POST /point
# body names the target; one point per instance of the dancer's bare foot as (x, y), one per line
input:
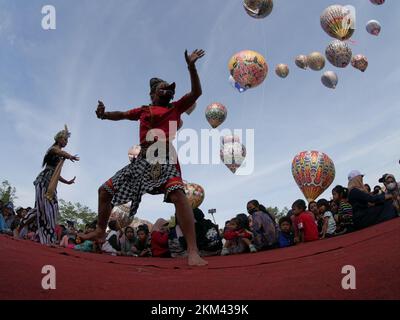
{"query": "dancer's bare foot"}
(95, 235)
(195, 260)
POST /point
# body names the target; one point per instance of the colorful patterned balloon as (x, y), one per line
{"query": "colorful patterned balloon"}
(258, 8)
(301, 61)
(195, 194)
(216, 114)
(377, 2)
(248, 68)
(374, 27)
(338, 22)
(232, 152)
(313, 172)
(330, 79)
(316, 61)
(122, 215)
(360, 62)
(282, 70)
(339, 53)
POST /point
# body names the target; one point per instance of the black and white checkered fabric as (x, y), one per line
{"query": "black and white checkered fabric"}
(133, 181)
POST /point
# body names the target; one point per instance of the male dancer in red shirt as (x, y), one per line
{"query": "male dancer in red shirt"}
(143, 175)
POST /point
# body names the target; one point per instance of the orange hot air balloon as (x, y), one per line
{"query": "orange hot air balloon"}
(313, 172)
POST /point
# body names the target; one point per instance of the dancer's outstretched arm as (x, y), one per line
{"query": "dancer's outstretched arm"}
(114, 115)
(191, 59)
(61, 179)
(63, 154)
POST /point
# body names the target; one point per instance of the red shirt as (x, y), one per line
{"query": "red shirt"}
(159, 244)
(156, 117)
(233, 234)
(306, 222)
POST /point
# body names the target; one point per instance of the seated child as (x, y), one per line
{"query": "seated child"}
(87, 245)
(128, 242)
(306, 224)
(237, 239)
(329, 227)
(142, 243)
(344, 217)
(159, 239)
(112, 245)
(208, 239)
(286, 236)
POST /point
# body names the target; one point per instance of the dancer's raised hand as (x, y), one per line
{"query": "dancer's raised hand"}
(72, 181)
(193, 57)
(100, 110)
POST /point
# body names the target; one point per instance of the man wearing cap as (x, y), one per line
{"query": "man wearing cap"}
(393, 188)
(365, 215)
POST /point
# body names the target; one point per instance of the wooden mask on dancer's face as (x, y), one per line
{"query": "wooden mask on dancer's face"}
(161, 91)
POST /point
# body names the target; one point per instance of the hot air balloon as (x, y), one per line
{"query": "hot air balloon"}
(339, 53)
(230, 139)
(232, 152)
(316, 61)
(195, 194)
(360, 62)
(282, 70)
(338, 22)
(374, 27)
(122, 215)
(216, 114)
(248, 68)
(330, 79)
(301, 61)
(133, 152)
(191, 109)
(313, 172)
(377, 2)
(236, 85)
(258, 8)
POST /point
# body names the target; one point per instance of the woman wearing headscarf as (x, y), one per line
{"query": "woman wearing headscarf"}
(45, 211)
(264, 227)
(365, 215)
(128, 242)
(156, 169)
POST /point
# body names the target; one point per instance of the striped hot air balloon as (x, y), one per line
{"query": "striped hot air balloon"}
(338, 22)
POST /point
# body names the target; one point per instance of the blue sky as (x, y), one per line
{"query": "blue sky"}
(109, 50)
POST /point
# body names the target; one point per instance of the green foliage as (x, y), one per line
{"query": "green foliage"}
(7, 192)
(76, 212)
(278, 213)
(172, 222)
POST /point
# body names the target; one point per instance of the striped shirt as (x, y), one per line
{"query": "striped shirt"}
(345, 208)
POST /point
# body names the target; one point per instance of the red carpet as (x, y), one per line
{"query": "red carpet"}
(308, 271)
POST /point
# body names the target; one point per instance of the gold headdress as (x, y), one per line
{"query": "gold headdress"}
(62, 134)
